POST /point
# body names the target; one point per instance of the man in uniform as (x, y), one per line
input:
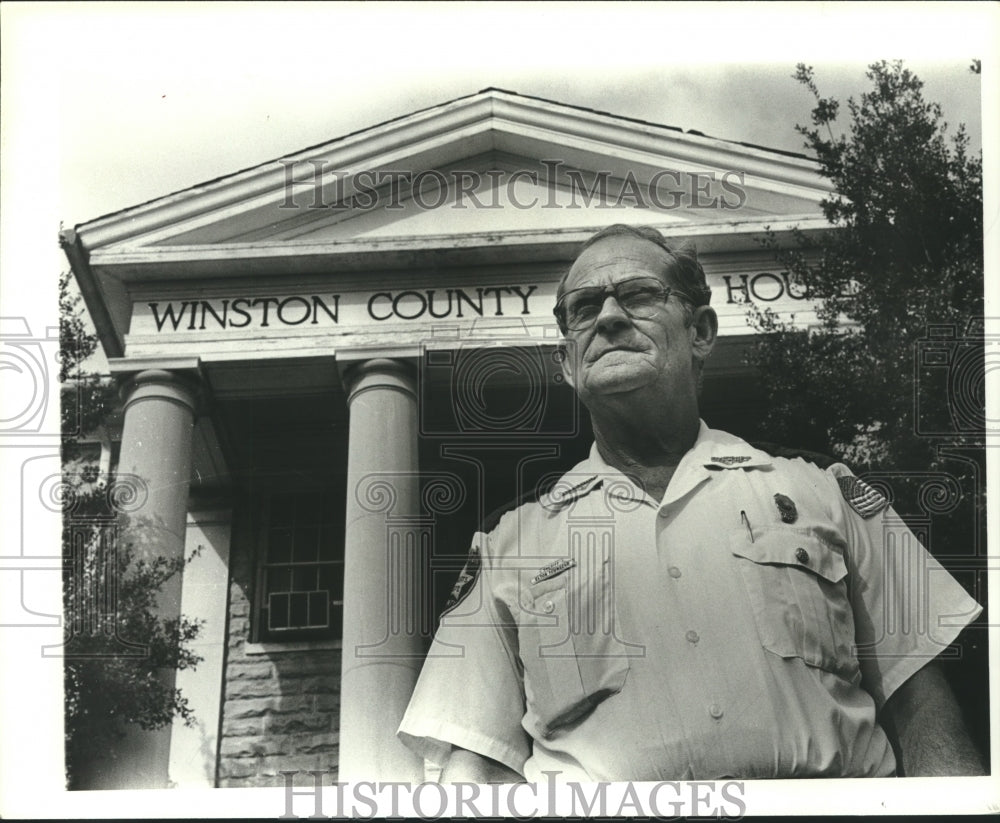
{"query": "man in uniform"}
(682, 605)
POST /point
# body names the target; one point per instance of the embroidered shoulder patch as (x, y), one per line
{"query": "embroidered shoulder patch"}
(732, 459)
(861, 497)
(466, 578)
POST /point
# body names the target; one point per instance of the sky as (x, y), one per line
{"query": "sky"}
(151, 98)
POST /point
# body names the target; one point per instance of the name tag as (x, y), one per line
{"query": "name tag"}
(551, 570)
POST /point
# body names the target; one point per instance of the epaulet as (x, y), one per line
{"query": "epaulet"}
(493, 518)
(823, 461)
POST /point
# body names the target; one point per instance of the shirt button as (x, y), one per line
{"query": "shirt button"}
(692, 637)
(664, 513)
(673, 571)
(549, 607)
(801, 555)
(715, 710)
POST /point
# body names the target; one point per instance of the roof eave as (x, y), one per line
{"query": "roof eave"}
(79, 262)
(360, 255)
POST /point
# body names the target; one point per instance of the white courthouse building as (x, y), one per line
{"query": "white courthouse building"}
(335, 364)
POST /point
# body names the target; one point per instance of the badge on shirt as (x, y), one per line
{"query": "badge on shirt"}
(786, 508)
(861, 497)
(551, 570)
(467, 577)
(732, 459)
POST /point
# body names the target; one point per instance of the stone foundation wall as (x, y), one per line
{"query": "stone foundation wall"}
(280, 708)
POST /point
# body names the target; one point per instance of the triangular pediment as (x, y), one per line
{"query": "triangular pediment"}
(491, 162)
(498, 193)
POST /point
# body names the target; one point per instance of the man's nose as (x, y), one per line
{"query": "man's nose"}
(612, 315)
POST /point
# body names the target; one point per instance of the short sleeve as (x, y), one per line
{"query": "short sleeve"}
(907, 607)
(470, 691)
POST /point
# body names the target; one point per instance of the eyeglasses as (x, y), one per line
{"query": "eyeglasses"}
(639, 297)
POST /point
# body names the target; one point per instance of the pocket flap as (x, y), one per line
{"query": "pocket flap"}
(792, 547)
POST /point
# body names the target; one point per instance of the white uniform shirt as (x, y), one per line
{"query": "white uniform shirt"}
(721, 632)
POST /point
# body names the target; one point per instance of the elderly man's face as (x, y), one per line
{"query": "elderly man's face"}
(618, 353)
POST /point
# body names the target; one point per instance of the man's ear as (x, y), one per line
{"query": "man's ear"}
(566, 354)
(705, 323)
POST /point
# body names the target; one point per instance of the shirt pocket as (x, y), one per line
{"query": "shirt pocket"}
(567, 644)
(796, 582)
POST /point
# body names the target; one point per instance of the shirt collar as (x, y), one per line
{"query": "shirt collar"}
(713, 450)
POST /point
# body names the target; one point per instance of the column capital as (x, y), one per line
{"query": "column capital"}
(380, 373)
(176, 379)
(124, 366)
(176, 387)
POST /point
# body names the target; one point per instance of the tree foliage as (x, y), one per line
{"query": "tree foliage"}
(87, 398)
(904, 253)
(890, 379)
(116, 660)
(118, 651)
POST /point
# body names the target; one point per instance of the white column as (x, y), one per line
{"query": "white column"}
(156, 459)
(156, 449)
(383, 599)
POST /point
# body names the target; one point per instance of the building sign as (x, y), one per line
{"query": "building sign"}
(414, 305)
(439, 304)
(243, 312)
(330, 309)
(403, 305)
(765, 286)
(318, 309)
